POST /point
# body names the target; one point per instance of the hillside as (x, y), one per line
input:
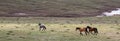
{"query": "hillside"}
(56, 8)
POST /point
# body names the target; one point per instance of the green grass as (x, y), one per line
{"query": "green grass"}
(58, 29)
(55, 32)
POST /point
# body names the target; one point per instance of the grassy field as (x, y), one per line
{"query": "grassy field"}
(58, 29)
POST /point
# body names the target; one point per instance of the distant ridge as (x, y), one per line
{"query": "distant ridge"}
(56, 8)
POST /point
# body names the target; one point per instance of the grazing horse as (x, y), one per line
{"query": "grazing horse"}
(91, 30)
(42, 27)
(82, 30)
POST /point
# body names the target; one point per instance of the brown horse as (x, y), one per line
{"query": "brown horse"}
(82, 30)
(91, 30)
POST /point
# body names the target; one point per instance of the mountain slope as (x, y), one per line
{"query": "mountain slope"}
(56, 8)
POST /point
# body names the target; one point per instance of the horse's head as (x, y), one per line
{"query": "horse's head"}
(39, 24)
(77, 28)
(88, 27)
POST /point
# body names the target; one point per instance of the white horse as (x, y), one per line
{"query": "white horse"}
(42, 27)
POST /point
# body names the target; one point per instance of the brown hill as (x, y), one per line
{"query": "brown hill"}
(56, 8)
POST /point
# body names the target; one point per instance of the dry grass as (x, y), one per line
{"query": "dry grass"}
(26, 31)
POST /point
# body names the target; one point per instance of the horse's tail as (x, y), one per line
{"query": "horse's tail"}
(96, 30)
(44, 28)
(77, 28)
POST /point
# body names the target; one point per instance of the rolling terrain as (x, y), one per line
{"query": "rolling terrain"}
(56, 8)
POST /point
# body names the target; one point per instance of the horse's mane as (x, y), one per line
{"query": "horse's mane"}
(89, 27)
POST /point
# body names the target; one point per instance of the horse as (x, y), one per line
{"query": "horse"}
(82, 30)
(92, 29)
(42, 27)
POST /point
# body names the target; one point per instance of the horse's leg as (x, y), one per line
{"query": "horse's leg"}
(86, 33)
(95, 33)
(81, 33)
(91, 32)
(44, 28)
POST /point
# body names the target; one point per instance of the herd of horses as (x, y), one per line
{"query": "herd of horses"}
(87, 30)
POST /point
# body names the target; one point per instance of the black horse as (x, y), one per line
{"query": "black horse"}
(42, 27)
(92, 30)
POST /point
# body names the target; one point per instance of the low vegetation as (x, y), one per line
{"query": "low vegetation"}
(58, 29)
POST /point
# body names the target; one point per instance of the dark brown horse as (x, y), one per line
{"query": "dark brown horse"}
(82, 30)
(92, 30)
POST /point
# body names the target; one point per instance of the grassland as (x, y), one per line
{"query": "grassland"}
(58, 29)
